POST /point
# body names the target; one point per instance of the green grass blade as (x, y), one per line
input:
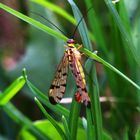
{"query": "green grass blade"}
(33, 22)
(90, 126)
(100, 60)
(94, 115)
(66, 128)
(96, 27)
(137, 135)
(54, 123)
(75, 108)
(56, 9)
(86, 42)
(126, 35)
(23, 121)
(12, 90)
(58, 109)
(73, 119)
(82, 26)
(48, 30)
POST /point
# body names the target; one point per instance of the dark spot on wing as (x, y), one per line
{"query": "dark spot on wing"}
(84, 89)
(71, 65)
(52, 101)
(78, 86)
(78, 72)
(64, 85)
(54, 86)
(64, 74)
(59, 97)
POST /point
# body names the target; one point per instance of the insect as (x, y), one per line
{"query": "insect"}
(71, 59)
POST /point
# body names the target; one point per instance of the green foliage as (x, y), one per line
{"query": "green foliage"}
(117, 42)
(137, 136)
(8, 94)
(46, 126)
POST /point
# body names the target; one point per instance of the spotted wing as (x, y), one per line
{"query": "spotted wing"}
(58, 86)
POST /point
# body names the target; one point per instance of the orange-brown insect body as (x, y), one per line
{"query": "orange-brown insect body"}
(72, 57)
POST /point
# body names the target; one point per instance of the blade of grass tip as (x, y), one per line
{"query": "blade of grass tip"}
(43, 98)
(12, 90)
(33, 22)
(82, 26)
(127, 37)
(66, 128)
(58, 109)
(23, 121)
(84, 122)
(53, 122)
(56, 9)
(24, 74)
(94, 116)
(100, 60)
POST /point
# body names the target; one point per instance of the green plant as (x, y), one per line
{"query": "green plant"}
(73, 125)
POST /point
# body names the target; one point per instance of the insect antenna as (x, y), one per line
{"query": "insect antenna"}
(73, 35)
(48, 22)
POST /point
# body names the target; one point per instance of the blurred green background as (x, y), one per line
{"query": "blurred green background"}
(23, 46)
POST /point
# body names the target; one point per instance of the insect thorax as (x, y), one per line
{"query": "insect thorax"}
(72, 50)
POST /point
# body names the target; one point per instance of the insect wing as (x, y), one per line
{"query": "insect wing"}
(58, 86)
(77, 70)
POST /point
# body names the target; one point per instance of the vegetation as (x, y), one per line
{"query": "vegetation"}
(109, 32)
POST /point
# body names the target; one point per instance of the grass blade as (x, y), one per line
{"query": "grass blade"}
(58, 109)
(100, 60)
(73, 119)
(94, 115)
(82, 26)
(33, 22)
(126, 35)
(86, 42)
(54, 123)
(56, 9)
(96, 27)
(66, 128)
(44, 99)
(23, 121)
(12, 90)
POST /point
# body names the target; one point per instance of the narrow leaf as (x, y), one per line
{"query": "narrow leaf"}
(12, 90)
(33, 22)
(23, 121)
(94, 56)
(58, 109)
(126, 35)
(56, 9)
(54, 123)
